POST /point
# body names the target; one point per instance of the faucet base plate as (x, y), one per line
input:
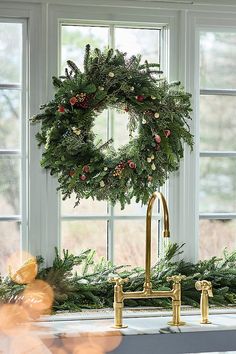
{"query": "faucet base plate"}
(117, 327)
(181, 323)
(206, 322)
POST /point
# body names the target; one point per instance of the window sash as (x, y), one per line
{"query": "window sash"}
(110, 217)
(22, 153)
(222, 154)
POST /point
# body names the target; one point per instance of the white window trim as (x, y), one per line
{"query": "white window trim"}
(60, 14)
(182, 22)
(189, 173)
(34, 199)
(21, 152)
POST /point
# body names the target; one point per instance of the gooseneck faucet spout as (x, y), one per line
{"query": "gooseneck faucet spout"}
(165, 233)
(148, 292)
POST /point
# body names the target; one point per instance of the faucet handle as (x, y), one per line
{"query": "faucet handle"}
(176, 278)
(204, 285)
(118, 280)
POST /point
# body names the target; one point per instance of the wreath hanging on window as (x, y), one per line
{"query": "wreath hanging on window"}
(158, 114)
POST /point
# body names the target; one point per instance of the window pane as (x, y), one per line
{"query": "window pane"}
(129, 242)
(85, 207)
(131, 209)
(218, 60)
(215, 235)
(138, 41)
(134, 209)
(9, 186)
(10, 106)
(217, 184)
(9, 242)
(74, 39)
(10, 52)
(121, 131)
(81, 235)
(100, 128)
(217, 123)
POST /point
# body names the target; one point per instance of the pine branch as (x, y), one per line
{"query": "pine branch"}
(89, 287)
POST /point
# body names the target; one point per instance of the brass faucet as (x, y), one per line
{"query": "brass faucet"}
(206, 288)
(147, 292)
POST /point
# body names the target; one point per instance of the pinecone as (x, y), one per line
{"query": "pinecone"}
(83, 100)
(118, 169)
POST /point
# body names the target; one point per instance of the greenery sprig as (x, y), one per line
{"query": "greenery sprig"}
(89, 287)
(158, 114)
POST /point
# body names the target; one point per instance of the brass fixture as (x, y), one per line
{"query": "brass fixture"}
(147, 292)
(206, 288)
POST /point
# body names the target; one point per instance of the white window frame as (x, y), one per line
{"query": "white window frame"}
(221, 20)
(120, 17)
(182, 22)
(110, 216)
(21, 152)
(34, 182)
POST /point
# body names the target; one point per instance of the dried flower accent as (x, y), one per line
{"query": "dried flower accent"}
(102, 184)
(71, 173)
(75, 130)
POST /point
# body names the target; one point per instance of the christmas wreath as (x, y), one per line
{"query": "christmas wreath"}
(158, 114)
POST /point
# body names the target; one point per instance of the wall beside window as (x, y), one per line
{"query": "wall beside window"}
(180, 36)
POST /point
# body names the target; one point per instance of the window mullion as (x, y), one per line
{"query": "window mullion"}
(219, 92)
(13, 86)
(110, 134)
(12, 153)
(217, 153)
(24, 141)
(218, 216)
(10, 218)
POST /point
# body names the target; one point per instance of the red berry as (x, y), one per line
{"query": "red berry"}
(83, 177)
(157, 138)
(61, 109)
(167, 132)
(132, 165)
(140, 98)
(126, 109)
(86, 169)
(73, 101)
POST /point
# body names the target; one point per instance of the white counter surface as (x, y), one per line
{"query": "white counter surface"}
(147, 322)
(148, 332)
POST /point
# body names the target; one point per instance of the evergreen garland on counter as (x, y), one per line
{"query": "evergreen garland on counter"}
(89, 288)
(158, 114)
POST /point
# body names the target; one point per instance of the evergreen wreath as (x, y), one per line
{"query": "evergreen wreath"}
(158, 114)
